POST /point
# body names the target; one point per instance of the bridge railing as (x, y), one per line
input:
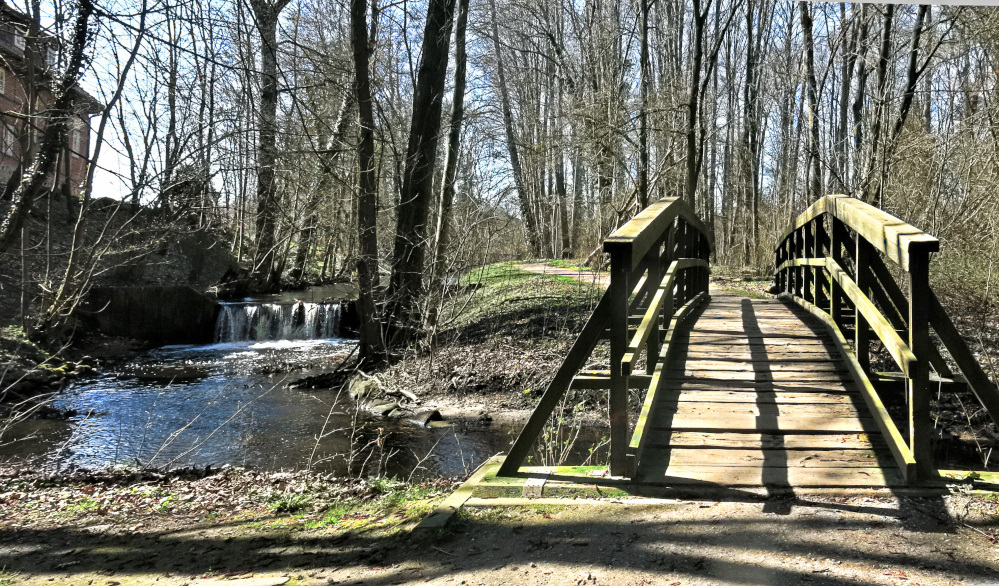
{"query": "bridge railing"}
(659, 273)
(830, 262)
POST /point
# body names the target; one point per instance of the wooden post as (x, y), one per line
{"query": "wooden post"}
(918, 377)
(862, 334)
(799, 288)
(808, 248)
(655, 276)
(778, 274)
(620, 289)
(836, 240)
(822, 281)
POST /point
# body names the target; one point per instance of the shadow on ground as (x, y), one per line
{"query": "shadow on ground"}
(856, 540)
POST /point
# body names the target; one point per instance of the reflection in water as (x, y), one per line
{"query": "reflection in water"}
(233, 410)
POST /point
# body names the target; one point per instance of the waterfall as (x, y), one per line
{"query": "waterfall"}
(271, 321)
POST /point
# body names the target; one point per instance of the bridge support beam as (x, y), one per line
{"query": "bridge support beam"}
(618, 401)
(920, 429)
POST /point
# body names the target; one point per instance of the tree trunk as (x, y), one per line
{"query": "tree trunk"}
(815, 169)
(418, 182)
(692, 158)
(371, 346)
(330, 153)
(442, 234)
(530, 222)
(882, 101)
(266, 14)
(643, 114)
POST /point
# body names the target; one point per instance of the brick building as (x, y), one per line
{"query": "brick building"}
(23, 79)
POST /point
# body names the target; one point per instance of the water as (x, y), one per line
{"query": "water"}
(229, 403)
(249, 321)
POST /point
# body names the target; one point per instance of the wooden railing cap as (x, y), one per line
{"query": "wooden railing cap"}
(888, 234)
(638, 235)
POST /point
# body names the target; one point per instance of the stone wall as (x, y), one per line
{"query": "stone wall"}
(159, 314)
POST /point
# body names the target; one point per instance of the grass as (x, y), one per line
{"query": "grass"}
(82, 506)
(8, 578)
(567, 264)
(501, 299)
(290, 502)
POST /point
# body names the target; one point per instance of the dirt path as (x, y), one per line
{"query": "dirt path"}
(835, 541)
(597, 279)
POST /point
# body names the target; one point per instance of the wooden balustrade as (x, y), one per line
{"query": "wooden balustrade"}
(830, 261)
(659, 273)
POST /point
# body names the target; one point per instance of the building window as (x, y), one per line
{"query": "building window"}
(19, 39)
(51, 58)
(75, 141)
(3, 81)
(9, 139)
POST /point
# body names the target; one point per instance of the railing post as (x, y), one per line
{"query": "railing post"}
(836, 240)
(669, 256)
(655, 276)
(799, 272)
(679, 241)
(705, 255)
(821, 278)
(620, 289)
(779, 274)
(862, 334)
(809, 246)
(792, 273)
(917, 381)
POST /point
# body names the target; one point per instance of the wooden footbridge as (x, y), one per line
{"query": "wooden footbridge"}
(737, 392)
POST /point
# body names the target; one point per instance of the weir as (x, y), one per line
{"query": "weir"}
(251, 321)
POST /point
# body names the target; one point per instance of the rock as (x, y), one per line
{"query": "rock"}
(424, 417)
(362, 388)
(381, 407)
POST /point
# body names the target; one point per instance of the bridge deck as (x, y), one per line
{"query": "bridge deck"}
(757, 394)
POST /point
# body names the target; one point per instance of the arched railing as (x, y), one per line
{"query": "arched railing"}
(830, 262)
(659, 273)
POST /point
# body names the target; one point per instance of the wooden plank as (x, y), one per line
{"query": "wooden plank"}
(722, 409)
(694, 440)
(763, 366)
(716, 340)
(796, 477)
(770, 458)
(752, 423)
(775, 355)
(757, 387)
(727, 396)
(779, 376)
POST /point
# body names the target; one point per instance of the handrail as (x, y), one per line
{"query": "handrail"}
(886, 233)
(666, 234)
(811, 271)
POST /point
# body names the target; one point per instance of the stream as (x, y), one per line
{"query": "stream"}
(228, 403)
